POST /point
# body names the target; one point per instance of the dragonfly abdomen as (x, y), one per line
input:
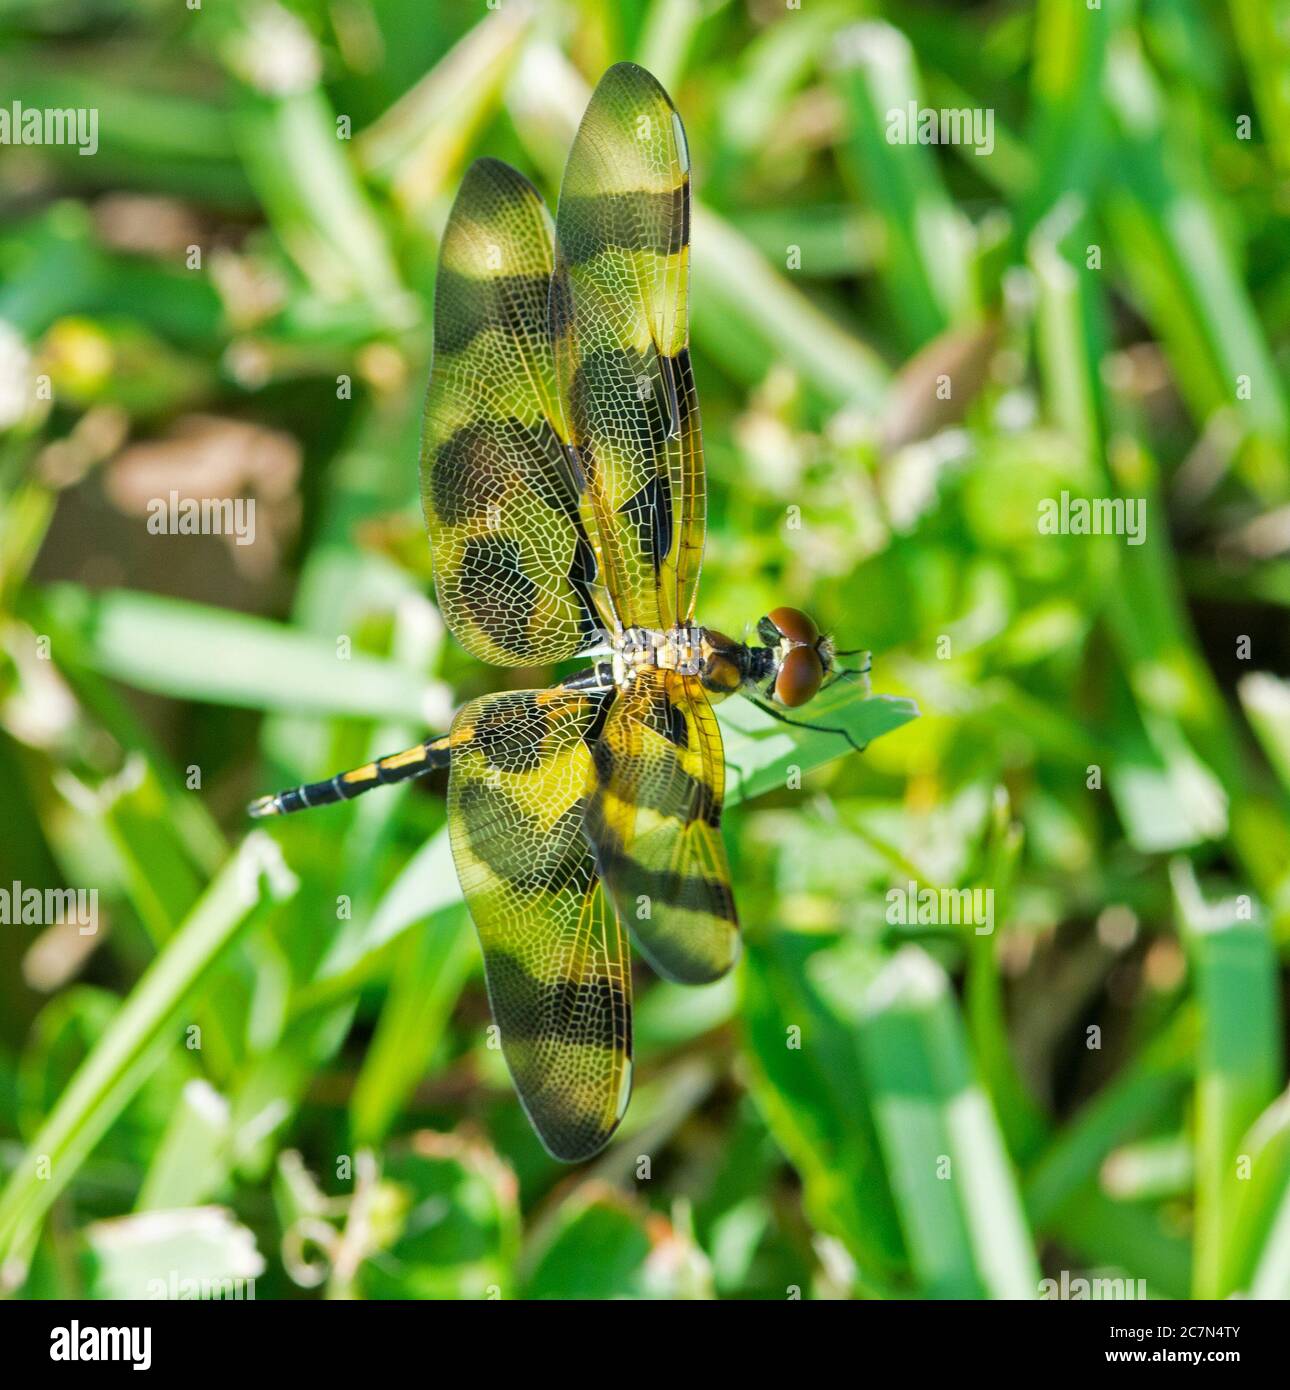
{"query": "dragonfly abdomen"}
(344, 786)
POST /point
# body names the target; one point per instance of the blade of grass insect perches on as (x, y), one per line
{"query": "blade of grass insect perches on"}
(190, 651)
(1238, 1070)
(761, 750)
(946, 1161)
(925, 271)
(124, 1057)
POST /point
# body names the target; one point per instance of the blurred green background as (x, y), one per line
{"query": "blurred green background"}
(270, 1061)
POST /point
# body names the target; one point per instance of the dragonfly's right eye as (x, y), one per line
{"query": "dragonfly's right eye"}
(801, 674)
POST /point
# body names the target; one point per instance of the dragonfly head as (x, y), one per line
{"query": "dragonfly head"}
(797, 658)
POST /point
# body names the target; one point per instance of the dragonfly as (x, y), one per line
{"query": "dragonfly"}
(563, 489)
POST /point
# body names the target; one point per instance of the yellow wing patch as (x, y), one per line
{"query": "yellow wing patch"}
(620, 325)
(514, 568)
(556, 962)
(655, 819)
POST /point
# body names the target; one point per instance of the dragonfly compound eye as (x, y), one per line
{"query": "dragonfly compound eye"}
(800, 675)
(795, 625)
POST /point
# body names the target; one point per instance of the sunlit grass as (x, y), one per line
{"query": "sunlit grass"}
(902, 352)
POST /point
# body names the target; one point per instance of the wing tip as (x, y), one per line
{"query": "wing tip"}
(688, 969)
(578, 1143)
(626, 72)
(489, 169)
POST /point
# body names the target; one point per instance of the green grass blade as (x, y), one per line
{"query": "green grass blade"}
(763, 753)
(192, 1161)
(1263, 32)
(1239, 1068)
(1185, 276)
(958, 1201)
(808, 1083)
(136, 1038)
(1265, 698)
(194, 652)
(428, 976)
(926, 267)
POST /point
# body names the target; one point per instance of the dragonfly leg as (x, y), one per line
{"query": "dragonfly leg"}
(802, 724)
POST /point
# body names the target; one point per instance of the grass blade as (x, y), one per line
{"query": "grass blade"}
(134, 1042)
(957, 1199)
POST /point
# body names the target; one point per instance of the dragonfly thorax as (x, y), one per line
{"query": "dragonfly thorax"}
(679, 648)
(788, 667)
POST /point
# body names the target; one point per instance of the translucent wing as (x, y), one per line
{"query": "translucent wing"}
(513, 566)
(655, 819)
(620, 325)
(557, 965)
